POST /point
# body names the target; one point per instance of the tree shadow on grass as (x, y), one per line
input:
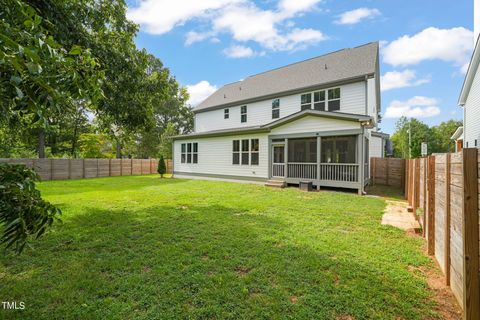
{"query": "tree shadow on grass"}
(198, 262)
(105, 184)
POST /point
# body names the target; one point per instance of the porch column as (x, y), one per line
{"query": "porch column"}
(286, 159)
(360, 157)
(319, 152)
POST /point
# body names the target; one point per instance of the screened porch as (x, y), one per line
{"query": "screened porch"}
(327, 161)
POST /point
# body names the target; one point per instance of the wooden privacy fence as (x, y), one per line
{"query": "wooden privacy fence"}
(62, 169)
(443, 192)
(387, 171)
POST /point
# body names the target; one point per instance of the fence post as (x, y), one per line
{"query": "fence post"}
(373, 160)
(407, 177)
(431, 206)
(471, 295)
(447, 219)
(387, 168)
(416, 186)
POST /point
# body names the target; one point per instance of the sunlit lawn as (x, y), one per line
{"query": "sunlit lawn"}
(146, 248)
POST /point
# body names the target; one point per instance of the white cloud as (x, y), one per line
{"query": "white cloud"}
(236, 51)
(451, 45)
(357, 15)
(416, 107)
(242, 19)
(161, 16)
(200, 91)
(401, 79)
(291, 7)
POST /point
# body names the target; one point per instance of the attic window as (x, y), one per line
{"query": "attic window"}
(226, 113)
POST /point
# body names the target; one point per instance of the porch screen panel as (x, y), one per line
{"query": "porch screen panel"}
(302, 150)
(339, 149)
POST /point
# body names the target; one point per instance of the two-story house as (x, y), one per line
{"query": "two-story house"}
(315, 120)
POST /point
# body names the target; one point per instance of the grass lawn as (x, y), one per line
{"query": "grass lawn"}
(145, 248)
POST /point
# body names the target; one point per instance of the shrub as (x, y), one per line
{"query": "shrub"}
(162, 169)
(23, 213)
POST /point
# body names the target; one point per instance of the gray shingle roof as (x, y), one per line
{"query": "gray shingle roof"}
(330, 68)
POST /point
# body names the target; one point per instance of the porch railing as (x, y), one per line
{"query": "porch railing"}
(278, 169)
(302, 170)
(347, 172)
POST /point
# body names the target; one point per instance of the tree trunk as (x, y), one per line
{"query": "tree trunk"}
(119, 150)
(41, 143)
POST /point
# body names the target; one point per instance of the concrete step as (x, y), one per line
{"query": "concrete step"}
(276, 183)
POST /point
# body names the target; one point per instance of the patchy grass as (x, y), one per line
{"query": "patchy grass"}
(143, 248)
(388, 192)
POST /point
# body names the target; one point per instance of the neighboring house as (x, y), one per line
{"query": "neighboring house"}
(470, 94)
(457, 137)
(315, 120)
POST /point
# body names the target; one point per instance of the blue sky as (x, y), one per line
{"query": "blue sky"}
(425, 45)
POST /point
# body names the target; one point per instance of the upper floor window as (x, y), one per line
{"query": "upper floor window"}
(334, 99)
(276, 109)
(189, 153)
(306, 101)
(226, 113)
(243, 114)
(319, 100)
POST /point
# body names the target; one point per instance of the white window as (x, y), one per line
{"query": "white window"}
(306, 101)
(236, 152)
(243, 113)
(189, 153)
(245, 152)
(319, 100)
(254, 151)
(334, 99)
(276, 109)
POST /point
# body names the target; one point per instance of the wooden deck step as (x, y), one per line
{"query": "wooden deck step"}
(276, 183)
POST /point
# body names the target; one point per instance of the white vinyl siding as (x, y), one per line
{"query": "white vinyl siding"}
(471, 129)
(315, 124)
(260, 113)
(215, 157)
(376, 147)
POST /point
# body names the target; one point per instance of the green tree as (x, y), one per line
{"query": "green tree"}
(94, 145)
(442, 134)
(40, 77)
(166, 140)
(161, 169)
(420, 132)
(23, 213)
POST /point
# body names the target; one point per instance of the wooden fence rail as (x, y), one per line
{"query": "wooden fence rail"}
(442, 191)
(387, 171)
(63, 169)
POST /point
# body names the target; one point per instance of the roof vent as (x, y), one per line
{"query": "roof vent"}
(326, 66)
(240, 88)
(224, 96)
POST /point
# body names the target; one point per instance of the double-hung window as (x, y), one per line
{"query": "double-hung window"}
(184, 153)
(189, 153)
(226, 113)
(276, 109)
(334, 99)
(254, 151)
(236, 152)
(306, 101)
(243, 114)
(245, 152)
(319, 100)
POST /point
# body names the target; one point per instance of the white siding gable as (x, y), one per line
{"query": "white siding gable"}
(353, 99)
(472, 113)
(315, 124)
